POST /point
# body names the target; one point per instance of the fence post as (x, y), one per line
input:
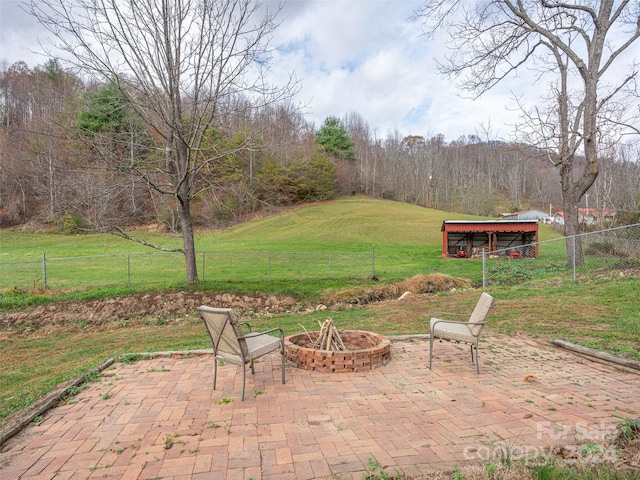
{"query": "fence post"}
(203, 265)
(573, 249)
(484, 269)
(373, 261)
(44, 271)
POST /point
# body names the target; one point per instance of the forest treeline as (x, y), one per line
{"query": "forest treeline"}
(71, 154)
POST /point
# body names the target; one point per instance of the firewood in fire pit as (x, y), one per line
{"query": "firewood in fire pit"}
(329, 337)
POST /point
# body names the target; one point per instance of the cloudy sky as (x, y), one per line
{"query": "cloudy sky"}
(363, 56)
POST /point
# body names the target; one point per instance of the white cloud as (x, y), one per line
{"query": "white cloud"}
(361, 56)
(367, 57)
(19, 34)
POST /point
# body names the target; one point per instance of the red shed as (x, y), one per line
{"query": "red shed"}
(468, 238)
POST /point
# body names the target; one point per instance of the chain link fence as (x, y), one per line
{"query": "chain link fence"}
(169, 268)
(611, 252)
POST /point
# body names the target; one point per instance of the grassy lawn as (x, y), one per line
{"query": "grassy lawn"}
(602, 312)
(405, 240)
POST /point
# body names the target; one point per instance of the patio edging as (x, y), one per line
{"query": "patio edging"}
(629, 365)
(15, 425)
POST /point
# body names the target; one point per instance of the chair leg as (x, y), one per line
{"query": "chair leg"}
(282, 355)
(215, 371)
(477, 358)
(244, 379)
(430, 349)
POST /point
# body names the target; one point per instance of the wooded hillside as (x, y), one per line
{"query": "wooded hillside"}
(72, 152)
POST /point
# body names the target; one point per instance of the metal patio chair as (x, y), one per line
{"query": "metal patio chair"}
(232, 346)
(461, 331)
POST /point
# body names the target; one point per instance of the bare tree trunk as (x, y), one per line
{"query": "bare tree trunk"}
(188, 241)
(571, 225)
(51, 183)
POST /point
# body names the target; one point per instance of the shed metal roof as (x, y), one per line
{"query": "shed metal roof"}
(489, 225)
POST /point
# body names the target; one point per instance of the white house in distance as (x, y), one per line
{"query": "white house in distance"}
(536, 215)
(588, 216)
(558, 218)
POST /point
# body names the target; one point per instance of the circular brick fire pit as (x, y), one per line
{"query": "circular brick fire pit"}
(365, 351)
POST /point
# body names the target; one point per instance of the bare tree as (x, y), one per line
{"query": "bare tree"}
(180, 64)
(577, 47)
(15, 95)
(627, 183)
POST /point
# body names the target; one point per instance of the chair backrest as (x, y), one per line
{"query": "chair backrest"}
(481, 312)
(224, 331)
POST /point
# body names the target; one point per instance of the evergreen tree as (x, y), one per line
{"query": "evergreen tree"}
(335, 140)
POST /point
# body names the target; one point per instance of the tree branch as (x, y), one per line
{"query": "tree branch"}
(121, 233)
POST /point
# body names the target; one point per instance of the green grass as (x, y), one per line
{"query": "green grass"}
(535, 469)
(349, 224)
(601, 313)
(405, 240)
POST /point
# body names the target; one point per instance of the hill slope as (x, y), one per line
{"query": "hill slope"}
(347, 223)
(400, 239)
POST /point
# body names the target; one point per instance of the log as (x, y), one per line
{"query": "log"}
(340, 343)
(607, 357)
(329, 337)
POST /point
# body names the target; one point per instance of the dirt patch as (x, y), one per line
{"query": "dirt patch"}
(418, 284)
(171, 304)
(621, 452)
(627, 440)
(142, 305)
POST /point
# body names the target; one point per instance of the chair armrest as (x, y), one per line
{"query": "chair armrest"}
(453, 322)
(451, 314)
(244, 324)
(458, 323)
(266, 332)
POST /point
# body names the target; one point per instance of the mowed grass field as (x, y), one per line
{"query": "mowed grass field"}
(403, 239)
(601, 313)
(389, 239)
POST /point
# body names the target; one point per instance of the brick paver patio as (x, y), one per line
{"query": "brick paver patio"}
(160, 418)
